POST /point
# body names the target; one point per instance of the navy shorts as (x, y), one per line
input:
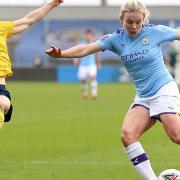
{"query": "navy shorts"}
(6, 93)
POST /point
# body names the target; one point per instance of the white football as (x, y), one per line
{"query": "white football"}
(169, 174)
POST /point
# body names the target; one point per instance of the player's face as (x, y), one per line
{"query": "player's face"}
(132, 22)
(89, 37)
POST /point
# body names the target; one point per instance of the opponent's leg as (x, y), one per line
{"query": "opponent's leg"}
(1, 117)
(4, 108)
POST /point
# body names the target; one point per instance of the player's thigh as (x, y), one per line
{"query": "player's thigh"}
(171, 124)
(137, 121)
(5, 103)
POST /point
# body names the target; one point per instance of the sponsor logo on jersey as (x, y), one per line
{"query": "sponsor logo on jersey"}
(134, 56)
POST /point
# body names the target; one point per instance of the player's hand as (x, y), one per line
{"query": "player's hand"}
(56, 2)
(54, 52)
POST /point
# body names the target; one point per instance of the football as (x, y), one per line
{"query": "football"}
(169, 174)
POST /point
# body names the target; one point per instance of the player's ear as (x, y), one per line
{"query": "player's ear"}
(121, 18)
(143, 18)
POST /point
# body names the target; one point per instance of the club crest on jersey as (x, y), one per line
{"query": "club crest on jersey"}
(145, 40)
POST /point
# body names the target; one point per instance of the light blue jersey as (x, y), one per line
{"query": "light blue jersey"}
(142, 56)
(88, 60)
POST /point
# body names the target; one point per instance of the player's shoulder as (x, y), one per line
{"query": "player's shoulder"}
(149, 26)
(154, 27)
(4, 24)
(1, 24)
(112, 36)
(117, 33)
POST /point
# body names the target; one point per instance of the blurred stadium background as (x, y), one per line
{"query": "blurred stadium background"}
(65, 26)
(54, 135)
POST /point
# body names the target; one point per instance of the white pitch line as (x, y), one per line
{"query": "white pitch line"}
(94, 163)
(86, 163)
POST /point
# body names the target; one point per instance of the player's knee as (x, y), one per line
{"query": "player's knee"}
(176, 138)
(94, 83)
(128, 137)
(5, 103)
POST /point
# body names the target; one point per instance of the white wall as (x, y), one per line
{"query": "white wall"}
(148, 2)
(11, 13)
(91, 2)
(39, 2)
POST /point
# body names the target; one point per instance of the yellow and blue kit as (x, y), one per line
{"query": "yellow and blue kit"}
(6, 31)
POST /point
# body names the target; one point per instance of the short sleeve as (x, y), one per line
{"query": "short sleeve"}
(165, 33)
(105, 42)
(6, 28)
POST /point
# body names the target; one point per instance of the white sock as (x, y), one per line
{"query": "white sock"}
(94, 86)
(140, 160)
(84, 89)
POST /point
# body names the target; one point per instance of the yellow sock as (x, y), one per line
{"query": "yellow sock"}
(1, 117)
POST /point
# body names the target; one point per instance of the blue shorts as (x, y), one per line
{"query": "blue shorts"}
(6, 93)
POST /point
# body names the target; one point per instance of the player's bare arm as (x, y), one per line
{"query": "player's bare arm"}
(33, 17)
(98, 60)
(74, 52)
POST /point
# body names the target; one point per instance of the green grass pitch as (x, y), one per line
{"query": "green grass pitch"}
(55, 135)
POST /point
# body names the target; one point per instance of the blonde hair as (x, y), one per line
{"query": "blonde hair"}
(135, 6)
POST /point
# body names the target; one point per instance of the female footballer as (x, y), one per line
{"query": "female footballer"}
(7, 30)
(157, 95)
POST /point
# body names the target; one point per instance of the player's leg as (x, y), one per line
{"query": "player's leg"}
(94, 87)
(167, 107)
(171, 124)
(136, 122)
(84, 88)
(82, 75)
(93, 82)
(4, 108)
